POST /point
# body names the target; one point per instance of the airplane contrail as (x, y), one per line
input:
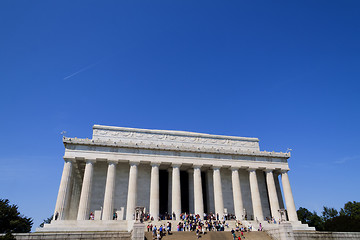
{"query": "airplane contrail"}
(81, 70)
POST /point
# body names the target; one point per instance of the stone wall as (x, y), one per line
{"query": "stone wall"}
(143, 186)
(263, 193)
(98, 186)
(121, 186)
(299, 235)
(227, 192)
(68, 236)
(307, 235)
(245, 192)
(210, 191)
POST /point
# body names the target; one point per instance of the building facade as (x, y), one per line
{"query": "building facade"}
(170, 172)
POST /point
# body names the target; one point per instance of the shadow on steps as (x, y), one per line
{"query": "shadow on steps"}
(211, 236)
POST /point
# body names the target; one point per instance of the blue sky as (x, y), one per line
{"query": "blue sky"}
(286, 72)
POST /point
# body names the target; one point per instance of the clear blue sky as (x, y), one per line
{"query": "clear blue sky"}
(286, 72)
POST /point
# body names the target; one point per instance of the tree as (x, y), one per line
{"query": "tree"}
(345, 220)
(351, 209)
(329, 213)
(11, 221)
(342, 223)
(310, 218)
(304, 215)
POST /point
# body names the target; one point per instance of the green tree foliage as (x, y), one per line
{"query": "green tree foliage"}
(345, 220)
(11, 221)
(351, 209)
(342, 223)
(348, 220)
(329, 213)
(310, 218)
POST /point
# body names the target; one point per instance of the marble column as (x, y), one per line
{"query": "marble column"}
(273, 198)
(255, 195)
(238, 202)
(176, 191)
(64, 191)
(218, 196)
(198, 194)
(289, 200)
(132, 191)
(108, 208)
(154, 191)
(85, 196)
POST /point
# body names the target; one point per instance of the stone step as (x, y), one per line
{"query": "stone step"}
(211, 236)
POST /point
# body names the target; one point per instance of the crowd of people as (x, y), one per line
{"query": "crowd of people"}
(159, 232)
(167, 216)
(193, 222)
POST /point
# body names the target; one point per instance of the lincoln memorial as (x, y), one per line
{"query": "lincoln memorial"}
(168, 173)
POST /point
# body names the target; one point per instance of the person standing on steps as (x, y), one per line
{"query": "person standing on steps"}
(233, 233)
(168, 228)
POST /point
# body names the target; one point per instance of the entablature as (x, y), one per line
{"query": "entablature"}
(91, 144)
(167, 162)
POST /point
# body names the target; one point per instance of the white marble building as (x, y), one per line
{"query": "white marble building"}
(167, 172)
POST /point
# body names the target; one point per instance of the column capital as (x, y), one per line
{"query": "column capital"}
(176, 165)
(234, 168)
(155, 164)
(134, 163)
(90, 160)
(69, 159)
(112, 161)
(196, 166)
(284, 170)
(267, 170)
(251, 169)
(216, 167)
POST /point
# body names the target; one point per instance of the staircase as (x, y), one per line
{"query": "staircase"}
(211, 236)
